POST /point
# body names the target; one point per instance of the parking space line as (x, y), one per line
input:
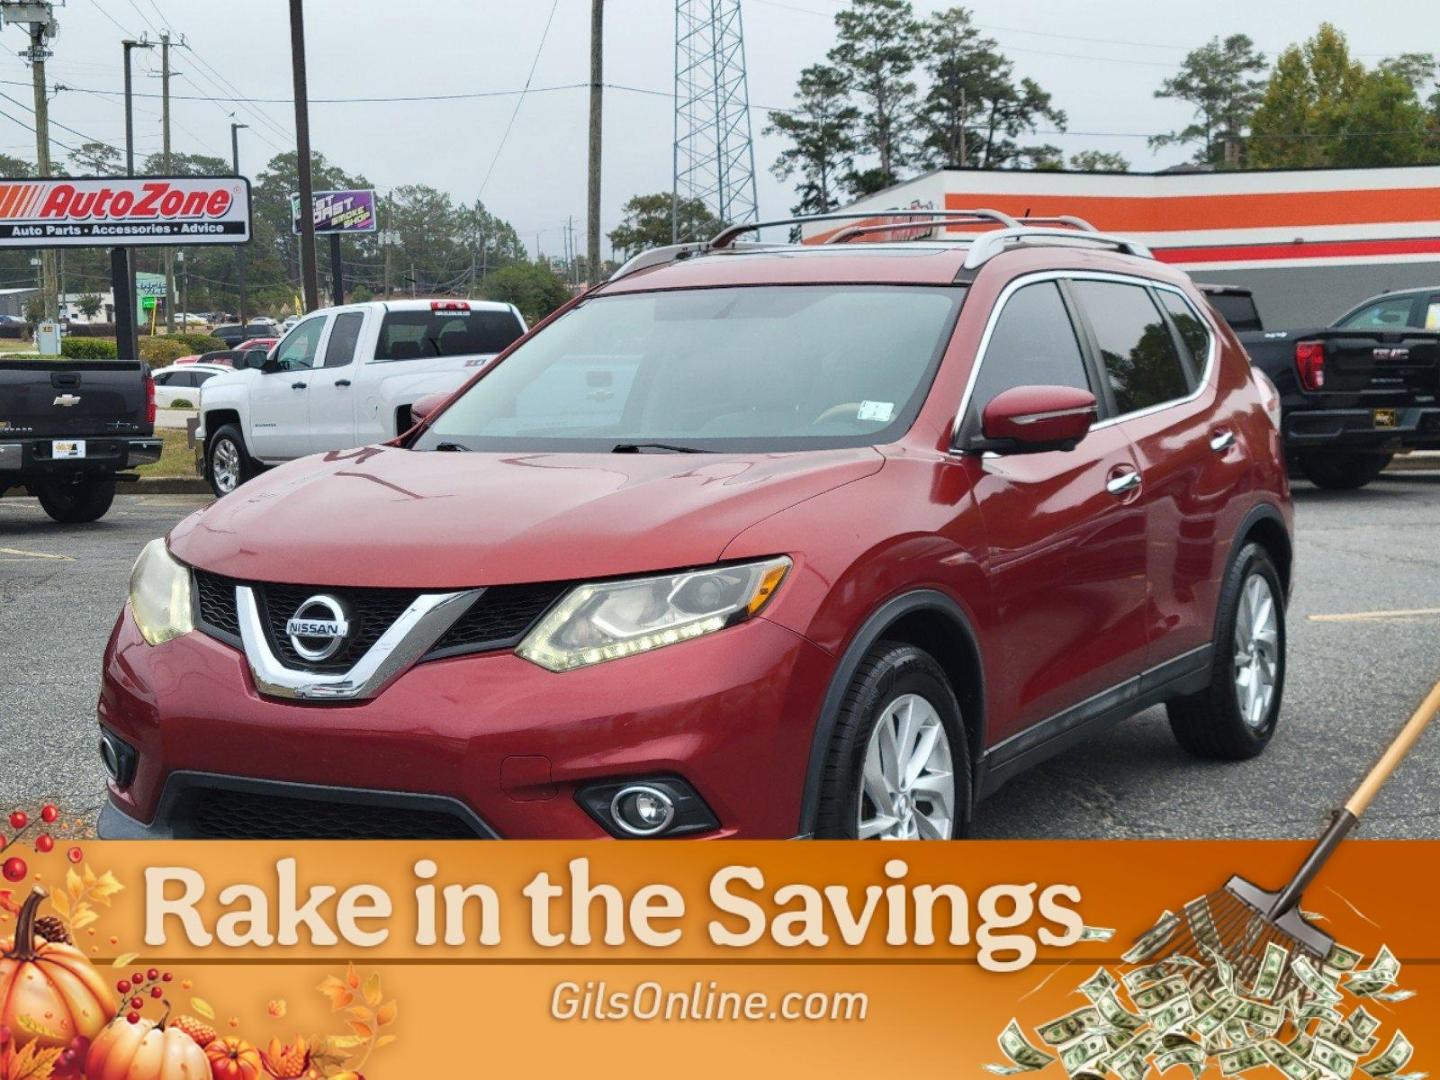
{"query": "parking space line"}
(17, 555)
(1377, 616)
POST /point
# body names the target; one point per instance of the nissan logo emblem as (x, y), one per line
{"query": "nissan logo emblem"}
(318, 629)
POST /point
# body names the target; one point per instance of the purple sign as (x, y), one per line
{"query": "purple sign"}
(338, 212)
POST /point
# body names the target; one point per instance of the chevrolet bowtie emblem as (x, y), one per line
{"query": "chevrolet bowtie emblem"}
(66, 400)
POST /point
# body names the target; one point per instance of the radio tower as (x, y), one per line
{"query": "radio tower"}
(714, 153)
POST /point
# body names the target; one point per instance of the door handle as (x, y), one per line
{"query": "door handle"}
(1221, 441)
(342, 382)
(298, 385)
(1123, 482)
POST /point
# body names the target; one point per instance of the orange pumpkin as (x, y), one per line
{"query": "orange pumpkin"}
(234, 1059)
(49, 984)
(145, 1051)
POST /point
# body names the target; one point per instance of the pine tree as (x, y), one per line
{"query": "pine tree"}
(821, 130)
(1220, 79)
(875, 51)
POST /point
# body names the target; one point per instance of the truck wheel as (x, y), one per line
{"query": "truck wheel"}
(1234, 717)
(76, 504)
(227, 465)
(1343, 472)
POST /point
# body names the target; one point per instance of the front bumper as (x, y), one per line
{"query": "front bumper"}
(489, 738)
(23, 460)
(1417, 427)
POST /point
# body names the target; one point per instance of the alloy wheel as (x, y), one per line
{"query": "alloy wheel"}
(1257, 650)
(225, 466)
(907, 784)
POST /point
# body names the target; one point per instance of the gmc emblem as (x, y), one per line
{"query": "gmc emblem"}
(1390, 353)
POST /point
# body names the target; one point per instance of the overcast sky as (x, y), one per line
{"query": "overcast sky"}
(1100, 59)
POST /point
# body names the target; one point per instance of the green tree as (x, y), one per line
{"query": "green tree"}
(13, 168)
(1221, 81)
(875, 52)
(821, 131)
(96, 159)
(648, 222)
(1098, 161)
(89, 305)
(535, 289)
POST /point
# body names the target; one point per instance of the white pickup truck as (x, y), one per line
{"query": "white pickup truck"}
(343, 377)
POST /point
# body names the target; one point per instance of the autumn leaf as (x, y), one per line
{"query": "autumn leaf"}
(82, 918)
(35, 1027)
(106, 887)
(352, 977)
(365, 1031)
(339, 994)
(88, 876)
(33, 1063)
(344, 1042)
(124, 959)
(360, 1012)
(203, 1007)
(59, 901)
(73, 885)
(384, 1040)
(372, 990)
(386, 1013)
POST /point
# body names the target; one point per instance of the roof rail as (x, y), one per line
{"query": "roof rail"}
(1059, 219)
(988, 245)
(656, 256)
(848, 234)
(727, 236)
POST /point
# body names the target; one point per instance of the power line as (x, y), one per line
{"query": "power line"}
(521, 99)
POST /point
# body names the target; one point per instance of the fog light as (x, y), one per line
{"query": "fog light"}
(118, 757)
(642, 810)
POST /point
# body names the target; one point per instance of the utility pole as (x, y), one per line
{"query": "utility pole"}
(597, 88)
(308, 281)
(122, 259)
(40, 32)
(240, 256)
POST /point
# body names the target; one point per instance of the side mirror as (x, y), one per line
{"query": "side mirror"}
(1033, 419)
(427, 405)
(255, 358)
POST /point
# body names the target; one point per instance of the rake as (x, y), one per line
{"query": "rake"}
(1239, 921)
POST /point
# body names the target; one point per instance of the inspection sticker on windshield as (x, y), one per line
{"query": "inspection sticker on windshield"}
(876, 410)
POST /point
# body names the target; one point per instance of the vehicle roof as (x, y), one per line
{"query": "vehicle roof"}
(908, 263)
(198, 365)
(421, 304)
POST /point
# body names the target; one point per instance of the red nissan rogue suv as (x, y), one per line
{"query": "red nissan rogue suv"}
(826, 539)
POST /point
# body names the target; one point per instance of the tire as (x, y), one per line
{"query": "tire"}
(235, 465)
(1213, 724)
(1343, 472)
(76, 504)
(892, 676)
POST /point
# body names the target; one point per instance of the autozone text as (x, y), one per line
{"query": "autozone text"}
(156, 199)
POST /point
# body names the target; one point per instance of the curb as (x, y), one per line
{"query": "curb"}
(1423, 461)
(148, 485)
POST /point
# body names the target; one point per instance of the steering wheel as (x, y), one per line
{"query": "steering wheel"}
(848, 411)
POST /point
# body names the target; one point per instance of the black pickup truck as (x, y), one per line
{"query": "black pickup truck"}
(70, 428)
(1352, 395)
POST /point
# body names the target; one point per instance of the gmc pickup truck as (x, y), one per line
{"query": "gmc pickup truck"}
(69, 429)
(1352, 395)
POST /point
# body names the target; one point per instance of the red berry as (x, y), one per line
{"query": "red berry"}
(123, 986)
(152, 974)
(44, 843)
(19, 819)
(166, 977)
(133, 1017)
(137, 1003)
(15, 869)
(74, 854)
(157, 992)
(138, 978)
(49, 813)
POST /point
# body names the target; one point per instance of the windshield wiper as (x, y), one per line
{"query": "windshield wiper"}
(452, 447)
(641, 447)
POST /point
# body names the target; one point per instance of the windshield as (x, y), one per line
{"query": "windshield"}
(453, 331)
(750, 368)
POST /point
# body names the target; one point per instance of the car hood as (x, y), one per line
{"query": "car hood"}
(387, 517)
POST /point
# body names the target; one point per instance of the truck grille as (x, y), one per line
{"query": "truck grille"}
(498, 620)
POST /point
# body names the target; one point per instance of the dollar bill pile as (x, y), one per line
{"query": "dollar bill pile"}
(1198, 1012)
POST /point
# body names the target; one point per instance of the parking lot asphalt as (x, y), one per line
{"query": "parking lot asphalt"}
(1364, 649)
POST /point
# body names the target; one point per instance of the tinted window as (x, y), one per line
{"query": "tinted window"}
(756, 367)
(1033, 344)
(1136, 348)
(409, 335)
(163, 379)
(1385, 314)
(340, 349)
(1193, 331)
(298, 348)
(204, 376)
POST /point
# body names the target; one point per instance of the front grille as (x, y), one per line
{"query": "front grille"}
(210, 813)
(498, 620)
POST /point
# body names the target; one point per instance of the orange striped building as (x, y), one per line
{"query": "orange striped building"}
(1311, 243)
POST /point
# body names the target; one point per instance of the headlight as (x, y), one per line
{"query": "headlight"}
(160, 595)
(608, 620)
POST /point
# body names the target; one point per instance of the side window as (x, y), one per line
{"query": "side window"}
(299, 347)
(164, 378)
(1389, 314)
(1033, 344)
(1193, 331)
(1432, 313)
(202, 377)
(1136, 347)
(340, 349)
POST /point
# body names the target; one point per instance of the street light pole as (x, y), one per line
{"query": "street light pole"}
(240, 249)
(122, 259)
(302, 157)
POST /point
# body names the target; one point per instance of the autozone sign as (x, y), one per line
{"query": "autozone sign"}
(121, 211)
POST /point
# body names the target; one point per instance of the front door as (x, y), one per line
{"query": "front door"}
(1064, 531)
(280, 397)
(333, 390)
